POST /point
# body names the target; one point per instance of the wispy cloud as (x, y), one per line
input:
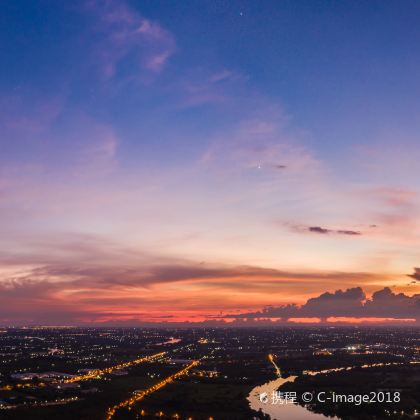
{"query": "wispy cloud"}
(325, 231)
(126, 34)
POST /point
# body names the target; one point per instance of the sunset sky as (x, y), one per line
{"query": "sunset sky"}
(192, 160)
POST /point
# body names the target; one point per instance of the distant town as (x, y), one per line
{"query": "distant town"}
(132, 373)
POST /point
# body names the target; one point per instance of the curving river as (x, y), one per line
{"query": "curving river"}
(294, 411)
(289, 411)
(279, 411)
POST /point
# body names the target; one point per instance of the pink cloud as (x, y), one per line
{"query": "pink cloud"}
(127, 33)
(395, 197)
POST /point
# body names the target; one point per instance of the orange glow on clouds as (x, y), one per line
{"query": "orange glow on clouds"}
(305, 320)
(373, 320)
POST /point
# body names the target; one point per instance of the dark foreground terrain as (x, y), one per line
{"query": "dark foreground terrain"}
(98, 374)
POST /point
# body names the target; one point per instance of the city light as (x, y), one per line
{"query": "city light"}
(141, 395)
(98, 372)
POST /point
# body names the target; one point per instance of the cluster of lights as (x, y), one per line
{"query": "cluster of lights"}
(142, 394)
(59, 401)
(89, 375)
(22, 385)
(175, 416)
(99, 372)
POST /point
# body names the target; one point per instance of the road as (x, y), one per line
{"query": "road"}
(142, 394)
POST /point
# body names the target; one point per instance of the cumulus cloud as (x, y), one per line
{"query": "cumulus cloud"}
(348, 303)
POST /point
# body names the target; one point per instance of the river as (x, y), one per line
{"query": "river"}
(288, 411)
(292, 411)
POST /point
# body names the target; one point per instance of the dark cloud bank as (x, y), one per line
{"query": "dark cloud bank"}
(348, 303)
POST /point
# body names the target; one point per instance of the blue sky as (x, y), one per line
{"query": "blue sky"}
(346, 72)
